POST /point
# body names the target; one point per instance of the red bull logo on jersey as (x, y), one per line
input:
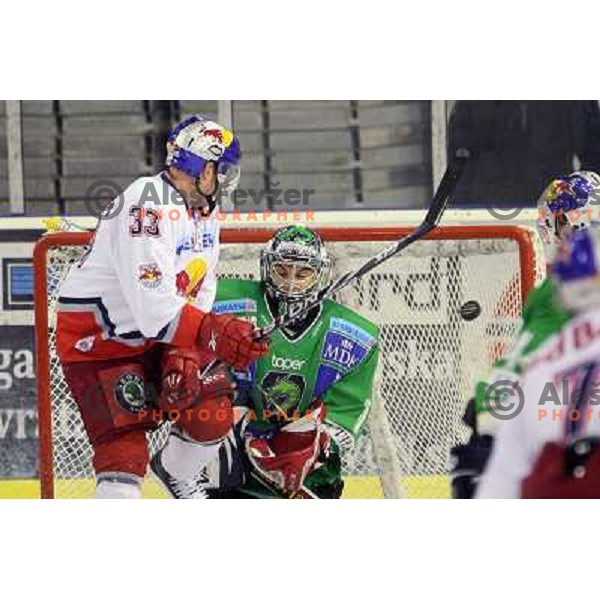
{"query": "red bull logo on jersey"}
(190, 279)
(149, 275)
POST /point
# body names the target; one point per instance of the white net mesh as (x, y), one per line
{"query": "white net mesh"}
(430, 357)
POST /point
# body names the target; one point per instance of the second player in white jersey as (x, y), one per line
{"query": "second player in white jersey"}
(550, 449)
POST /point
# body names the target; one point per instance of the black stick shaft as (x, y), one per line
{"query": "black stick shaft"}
(432, 218)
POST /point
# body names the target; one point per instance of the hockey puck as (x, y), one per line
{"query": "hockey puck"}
(470, 310)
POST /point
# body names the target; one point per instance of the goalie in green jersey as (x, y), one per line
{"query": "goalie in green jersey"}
(564, 207)
(304, 405)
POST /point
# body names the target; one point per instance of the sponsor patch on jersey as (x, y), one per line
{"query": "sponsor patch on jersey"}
(190, 279)
(241, 305)
(282, 391)
(326, 377)
(130, 392)
(208, 241)
(85, 344)
(187, 245)
(352, 331)
(149, 275)
(342, 351)
(286, 363)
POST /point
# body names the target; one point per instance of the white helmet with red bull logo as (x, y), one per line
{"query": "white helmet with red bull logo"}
(197, 141)
(564, 205)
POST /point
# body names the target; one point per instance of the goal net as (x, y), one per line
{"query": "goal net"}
(431, 355)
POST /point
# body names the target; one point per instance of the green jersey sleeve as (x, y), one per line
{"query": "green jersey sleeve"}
(349, 400)
(350, 346)
(542, 317)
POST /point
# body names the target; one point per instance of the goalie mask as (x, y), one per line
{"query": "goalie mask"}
(197, 141)
(294, 266)
(564, 203)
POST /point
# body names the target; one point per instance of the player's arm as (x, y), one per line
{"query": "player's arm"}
(144, 258)
(542, 317)
(208, 291)
(469, 460)
(348, 401)
(508, 464)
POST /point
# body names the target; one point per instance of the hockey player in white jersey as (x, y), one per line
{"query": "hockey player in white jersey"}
(551, 448)
(135, 313)
(565, 206)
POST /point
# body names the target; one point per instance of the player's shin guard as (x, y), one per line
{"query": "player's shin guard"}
(184, 458)
(118, 486)
(179, 466)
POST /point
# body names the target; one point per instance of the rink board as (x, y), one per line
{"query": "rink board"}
(417, 487)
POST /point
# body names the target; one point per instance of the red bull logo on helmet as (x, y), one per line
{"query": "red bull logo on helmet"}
(219, 134)
(560, 186)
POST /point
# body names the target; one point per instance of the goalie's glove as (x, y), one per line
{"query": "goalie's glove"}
(231, 340)
(285, 460)
(468, 461)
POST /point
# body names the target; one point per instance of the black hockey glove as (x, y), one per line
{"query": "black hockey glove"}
(468, 461)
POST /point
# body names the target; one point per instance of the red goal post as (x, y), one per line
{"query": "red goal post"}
(530, 269)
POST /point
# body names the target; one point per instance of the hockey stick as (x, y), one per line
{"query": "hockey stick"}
(432, 218)
(302, 494)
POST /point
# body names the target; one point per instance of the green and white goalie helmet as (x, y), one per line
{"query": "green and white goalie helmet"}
(294, 264)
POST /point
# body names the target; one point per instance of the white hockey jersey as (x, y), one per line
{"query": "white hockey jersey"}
(561, 393)
(149, 277)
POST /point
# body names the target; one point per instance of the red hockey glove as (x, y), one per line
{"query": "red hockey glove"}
(231, 340)
(287, 459)
(181, 384)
